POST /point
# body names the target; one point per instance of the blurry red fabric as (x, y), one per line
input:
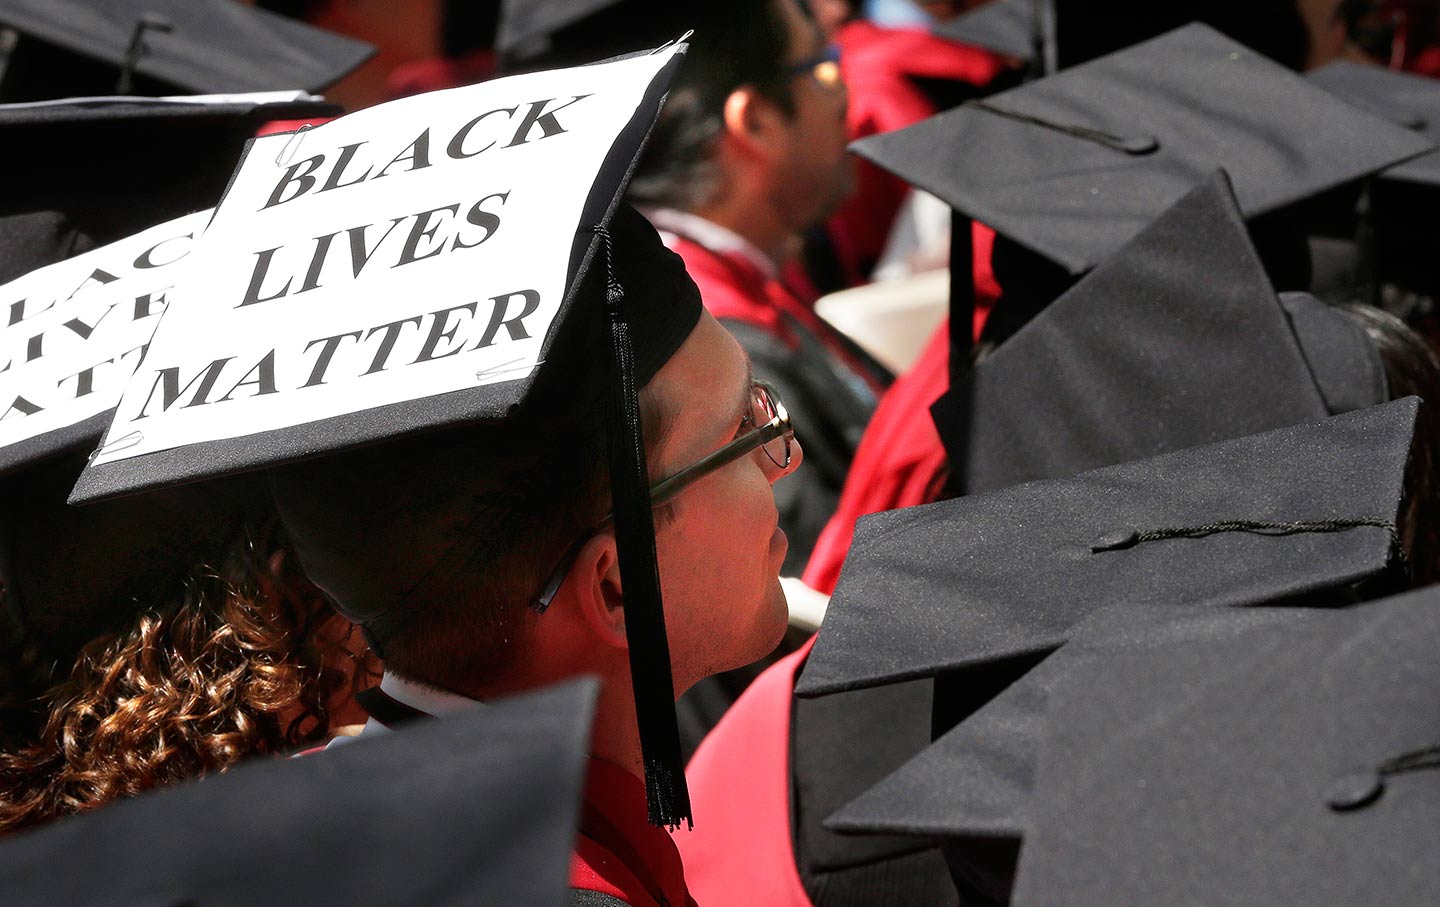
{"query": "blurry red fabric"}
(879, 66)
(277, 126)
(741, 850)
(900, 461)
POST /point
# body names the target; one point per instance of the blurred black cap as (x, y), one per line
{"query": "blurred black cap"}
(76, 48)
(1082, 30)
(478, 808)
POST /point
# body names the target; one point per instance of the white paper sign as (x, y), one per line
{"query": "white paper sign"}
(415, 248)
(74, 332)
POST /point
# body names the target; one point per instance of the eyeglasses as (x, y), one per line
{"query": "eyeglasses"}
(824, 67)
(770, 430)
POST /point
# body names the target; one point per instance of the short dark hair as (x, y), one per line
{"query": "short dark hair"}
(745, 42)
(530, 493)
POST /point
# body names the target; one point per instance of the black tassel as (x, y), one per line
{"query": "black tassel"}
(666, 794)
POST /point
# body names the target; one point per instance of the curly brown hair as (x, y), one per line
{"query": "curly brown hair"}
(243, 659)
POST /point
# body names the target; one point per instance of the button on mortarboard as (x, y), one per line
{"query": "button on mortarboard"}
(73, 48)
(1207, 100)
(476, 808)
(1211, 772)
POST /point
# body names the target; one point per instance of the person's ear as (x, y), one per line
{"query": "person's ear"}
(754, 124)
(593, 588)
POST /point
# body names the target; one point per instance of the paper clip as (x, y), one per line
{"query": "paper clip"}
(502, 368)
(282, 159)
(125, 442)
(680, 40)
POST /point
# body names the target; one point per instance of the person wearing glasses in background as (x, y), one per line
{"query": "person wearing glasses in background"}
(749, 155)
(481, 560)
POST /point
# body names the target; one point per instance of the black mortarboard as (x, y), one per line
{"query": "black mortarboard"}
(85, 174)
(1404, 99)
(1175, 341)
(1082, 31)
(1294, 764)
(1400, 231)
(1008, 27)
(510, 246)
(1074, 165)
(547, 33)
(1002, 577)
(477, 808)
(74, 48)
(977, 780)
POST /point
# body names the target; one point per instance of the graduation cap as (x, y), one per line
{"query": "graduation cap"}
(451, 260)
(557, 32)
(1293, 764)
(1399, 217)
(1409, 101)
(976, 781)
(1177, 340)
(1067, 33)
(75, 48)
(479, 807)
(999, 579)
(1074, 165)
(1014, 28)
(98, 171)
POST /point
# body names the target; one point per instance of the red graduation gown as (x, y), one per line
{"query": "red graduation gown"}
(879, 66)
(741, 850)
(618, 852)
(900, 461)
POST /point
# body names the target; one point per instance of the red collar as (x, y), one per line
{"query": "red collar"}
(619, 852)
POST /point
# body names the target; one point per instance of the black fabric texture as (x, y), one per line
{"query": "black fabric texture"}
(1088, 29)
(1409, 101)
(579, 897)
(1201, 99)
(72, 574)
(210, 47)
(975, 783)
(479, 808)
(841, 745)
(993, 576)
(1177, 340)
(1347, 367)
(1204, 772)
(829, 414)
(1004, 26)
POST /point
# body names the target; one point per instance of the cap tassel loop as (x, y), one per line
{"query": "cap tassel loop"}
(666, 794)
(1120, 539)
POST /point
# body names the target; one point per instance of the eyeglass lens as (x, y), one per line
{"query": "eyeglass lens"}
(777, 449)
